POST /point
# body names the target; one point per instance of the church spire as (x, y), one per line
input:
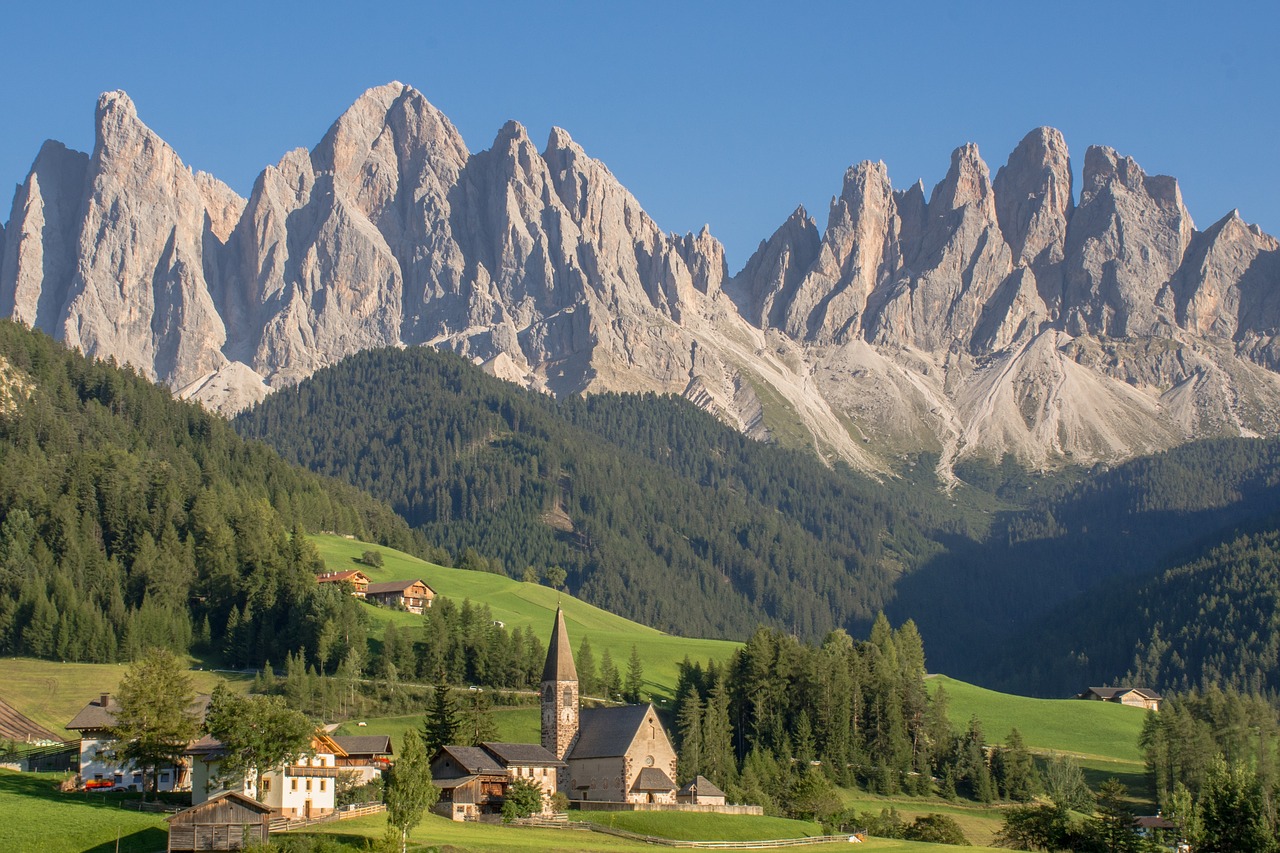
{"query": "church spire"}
(559, 695)
(559, 665)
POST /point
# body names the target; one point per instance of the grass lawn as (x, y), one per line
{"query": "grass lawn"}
(51, 693)
(485, 838)
(1087, 730)
(692, 826)
(52, 822)
(517, 604)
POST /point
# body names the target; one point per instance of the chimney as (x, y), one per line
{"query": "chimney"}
(106, 700)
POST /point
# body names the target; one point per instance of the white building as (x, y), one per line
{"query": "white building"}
(302, 789)
(99, 767)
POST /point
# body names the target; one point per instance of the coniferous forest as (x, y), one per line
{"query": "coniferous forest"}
(131, 520)
(659, 512)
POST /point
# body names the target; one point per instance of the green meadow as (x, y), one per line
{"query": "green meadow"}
(40, 819)
(517, 604)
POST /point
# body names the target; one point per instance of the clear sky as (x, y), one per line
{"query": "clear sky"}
(723, 113)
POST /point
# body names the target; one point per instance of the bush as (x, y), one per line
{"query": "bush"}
(524, 799)
(372, 558)
(936, 829)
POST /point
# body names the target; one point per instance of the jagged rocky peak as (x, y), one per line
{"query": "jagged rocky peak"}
(1127, 238)
(764, 287)
(704, 256)
(39, 259)
(1226, 287)
(1034, 202)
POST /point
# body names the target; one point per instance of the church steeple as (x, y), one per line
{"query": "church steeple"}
(559, 692)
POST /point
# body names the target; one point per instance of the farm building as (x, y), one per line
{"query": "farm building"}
(229, 821)
(98, 765)
(1137, 697)
(368, 755)
(414, 596)
(359, 580)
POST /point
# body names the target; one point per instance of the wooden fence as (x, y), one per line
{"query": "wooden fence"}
(561, 823)
(284, 824)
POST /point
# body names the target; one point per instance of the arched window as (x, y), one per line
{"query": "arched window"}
(568, 696)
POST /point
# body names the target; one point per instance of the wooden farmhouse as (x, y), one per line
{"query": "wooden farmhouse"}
(359, 580)
(414, 596)
(472, 782)
(99, 767)
(367, 755)
(229, 821)
(1137, 697)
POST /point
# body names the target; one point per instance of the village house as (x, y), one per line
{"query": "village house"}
(305, 788)
(414, 596)
(472, 782)
(1137, 697)
(359, 580)
(99, 767)
(366, 755)
(229, 821)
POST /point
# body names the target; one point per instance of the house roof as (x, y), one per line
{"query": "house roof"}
(534, 754)
(1154, 822)
(608, 732)
(95, 715)
(652, 779)
(1113, 692)
(706, 788)
(394, 586)
(209, 746)
(559, 666)
(364, 744)
(471, 759)
(335, 577)
(246, 802)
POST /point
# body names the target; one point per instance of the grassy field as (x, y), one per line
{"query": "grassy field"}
(517, 604)
(52, 822)
(1087, 730)
(515, 725)
(690, 826)
(978, 822)
(51, 693)
(485, 838)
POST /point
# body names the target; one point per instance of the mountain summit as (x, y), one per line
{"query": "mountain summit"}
(991, 316)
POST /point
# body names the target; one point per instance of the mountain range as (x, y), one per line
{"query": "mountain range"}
(990, 316)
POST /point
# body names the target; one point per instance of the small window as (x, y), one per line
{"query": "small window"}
(293, 784)
(308, 784)
(568, 696)
(322, 786)
(266, 785)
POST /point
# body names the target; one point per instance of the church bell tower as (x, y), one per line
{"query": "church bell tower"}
(559, 693)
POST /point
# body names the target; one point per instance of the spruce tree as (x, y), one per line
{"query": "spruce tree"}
(635, 676)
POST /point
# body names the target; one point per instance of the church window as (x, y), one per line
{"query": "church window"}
(568, 696)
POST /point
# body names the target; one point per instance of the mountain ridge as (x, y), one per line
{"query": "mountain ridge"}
(991, 316)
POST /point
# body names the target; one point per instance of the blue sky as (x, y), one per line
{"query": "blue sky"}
(725, 113)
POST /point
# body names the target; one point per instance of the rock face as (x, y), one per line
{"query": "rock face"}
(990, 317)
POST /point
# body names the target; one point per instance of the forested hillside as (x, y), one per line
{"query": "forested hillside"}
(130, 519)
(655, 509)
(660, 513)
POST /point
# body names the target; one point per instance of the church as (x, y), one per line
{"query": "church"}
(618, 755)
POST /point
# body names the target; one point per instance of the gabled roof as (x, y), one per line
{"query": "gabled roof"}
(364, 744)
(705, 788)
(652, 779)
(1113, 692)
(97, 716)
(559, 666)
(352, 575)
(608, 732)
(394, 586)
(470, 759)
(526, 754)
(245, 801)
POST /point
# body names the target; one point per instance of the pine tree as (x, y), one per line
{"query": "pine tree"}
(442, 723)
(635, 676)
(588, 678)
(610, 680)
(689, 729)
(718, 761)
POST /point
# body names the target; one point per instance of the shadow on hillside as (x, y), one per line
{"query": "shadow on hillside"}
(146, 841)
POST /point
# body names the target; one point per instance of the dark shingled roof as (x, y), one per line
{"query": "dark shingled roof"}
(706, 788)
(652, 779)
(527, 754)
(607, 732)
(1113, 692)
(559, 655)
(364, 744)
(96, 716)
(472, 759)
(393, 586)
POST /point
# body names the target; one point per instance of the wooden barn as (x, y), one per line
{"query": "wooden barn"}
(229, 821)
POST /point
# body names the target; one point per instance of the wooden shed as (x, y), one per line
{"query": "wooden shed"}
(229, 821)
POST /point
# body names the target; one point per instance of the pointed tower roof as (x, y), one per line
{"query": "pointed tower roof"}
(559, 655)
